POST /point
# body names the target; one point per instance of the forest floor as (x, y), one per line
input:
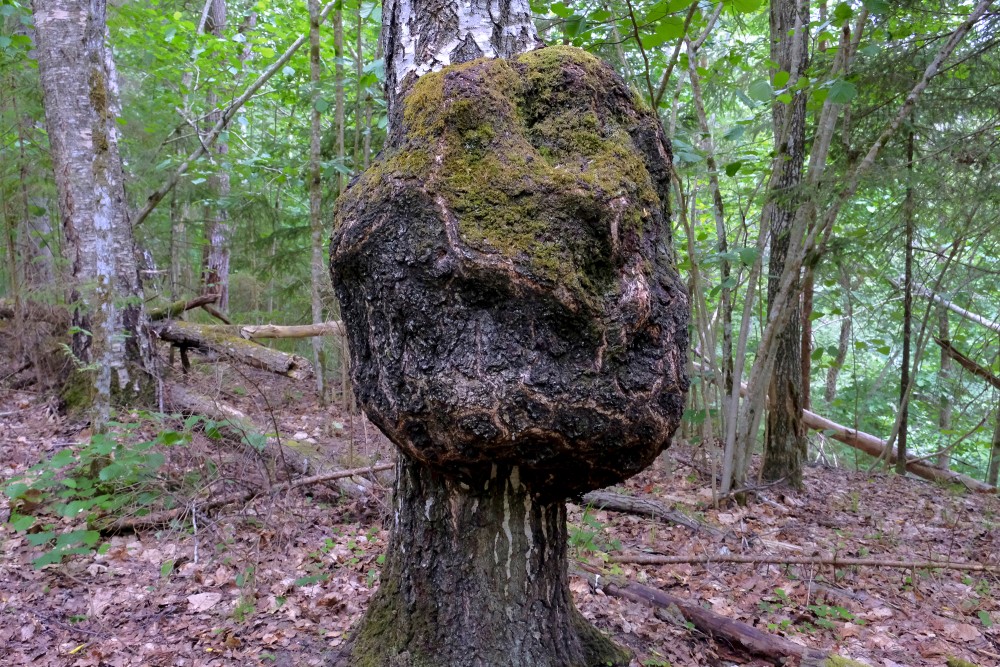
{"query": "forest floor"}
(280, 580)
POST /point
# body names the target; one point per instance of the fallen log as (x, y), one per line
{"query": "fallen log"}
(967, 363)
(238, 426)
(875, 447)
(178, 307)
(166, 516)
(774, 648)
(616, 502)
(256, 331)
(833, 561)
(210, 339)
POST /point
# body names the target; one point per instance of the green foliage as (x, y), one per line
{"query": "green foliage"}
(62, 503)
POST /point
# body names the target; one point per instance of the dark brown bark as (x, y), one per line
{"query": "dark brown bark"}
(475, 576)
(807, 309)
(994, 468)
(944, 379)
(904, 375)
(785, 442)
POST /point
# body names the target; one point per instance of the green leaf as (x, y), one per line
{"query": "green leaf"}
(876, 6)
(760, 90)
(842, 13)
(561, 10)
(7, 10)
(745, 6)
(985, 618)
(169, 35)
(842, 92)
(321, 105)
(784, 98)
(4, 39)
(62, 458)
(167, 568)
(669, 28)
(781, 78)
(288, 71)
(16, 490)
(733, 168)
(747, 255)
(111, 471)
(21, 523)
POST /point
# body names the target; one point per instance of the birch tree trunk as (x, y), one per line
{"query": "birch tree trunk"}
(218, 233)
(80, 90)
(318, 265)
(476, 570)
(785, 443)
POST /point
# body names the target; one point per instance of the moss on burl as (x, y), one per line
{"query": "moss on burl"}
(521, 154)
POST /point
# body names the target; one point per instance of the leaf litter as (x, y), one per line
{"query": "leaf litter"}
(281, 580)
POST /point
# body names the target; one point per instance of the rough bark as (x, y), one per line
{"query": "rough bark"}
(80, 90)
(904, 374)
(475, 576)
(516, 328)
(785, 442)
(503, 301)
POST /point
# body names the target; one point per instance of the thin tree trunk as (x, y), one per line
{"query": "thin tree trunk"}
(318, 264)
(722, 244)
(994, 469)
(785, 442)
(904, 375)
(844, 342)
(944, 378)
(808, 290)
(218, 232)
(338, 60)
(80, 90)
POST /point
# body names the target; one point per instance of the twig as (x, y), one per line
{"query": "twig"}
(160, 518)
(751, 559)
(226, 116)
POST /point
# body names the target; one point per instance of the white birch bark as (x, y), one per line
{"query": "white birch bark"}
(421, 36)
(79, 85)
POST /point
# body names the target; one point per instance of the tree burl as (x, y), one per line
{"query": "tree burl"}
(505, 275)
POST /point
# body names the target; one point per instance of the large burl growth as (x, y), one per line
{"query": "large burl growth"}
(518, 329)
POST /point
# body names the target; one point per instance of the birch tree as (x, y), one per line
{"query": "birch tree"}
(80, 90)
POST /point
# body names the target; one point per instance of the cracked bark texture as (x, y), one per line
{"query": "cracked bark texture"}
(518, 330)
(79, 84)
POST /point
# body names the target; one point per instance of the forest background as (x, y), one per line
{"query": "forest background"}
(898, 317)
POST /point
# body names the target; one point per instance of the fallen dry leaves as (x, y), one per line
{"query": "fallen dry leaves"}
(281, 582)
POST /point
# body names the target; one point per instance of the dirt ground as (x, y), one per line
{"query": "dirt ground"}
(281, 579)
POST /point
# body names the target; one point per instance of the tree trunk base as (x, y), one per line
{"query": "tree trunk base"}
(475, 577)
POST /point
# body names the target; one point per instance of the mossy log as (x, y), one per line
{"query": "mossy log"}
(210, 339)
(281, 453)
(177, 307)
